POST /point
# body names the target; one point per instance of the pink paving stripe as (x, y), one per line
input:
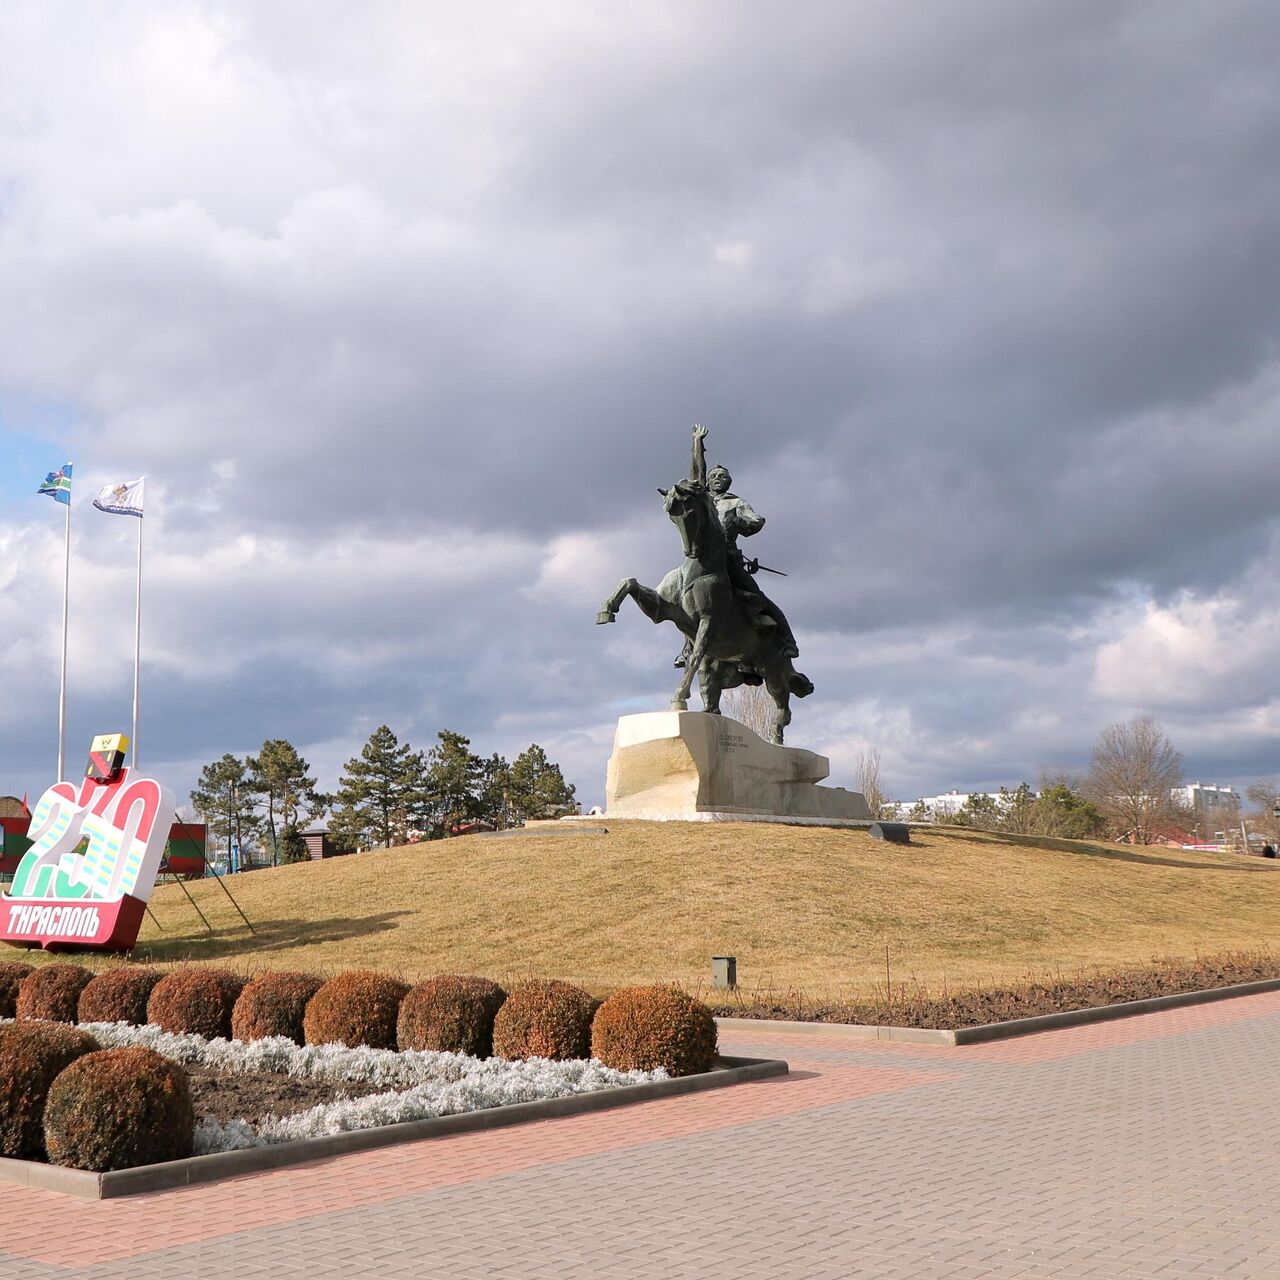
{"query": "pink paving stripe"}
(1042, 1046)
(837, 1043)
(1048, 1046)
(46, 1227)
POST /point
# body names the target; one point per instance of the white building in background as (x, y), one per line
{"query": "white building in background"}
(947, 805)
(1208, 803)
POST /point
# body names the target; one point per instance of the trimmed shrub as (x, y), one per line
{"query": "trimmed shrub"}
(118, 995)
(544, 1018)
(11, 976)
(642, 1028)
(119, 1108)
(354, 1009)
(31, 1056)
(450, 1014)
(274, 1005)
(195, 1001)
(52, 992)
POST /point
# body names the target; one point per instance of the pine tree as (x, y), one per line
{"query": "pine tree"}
(224, 802)
(293, 848)
(1017, 810)
(538, 788)
(493, 796)
(1060, 810)
(281, 779)
(980, 811)
(377, 791)
(451, 784)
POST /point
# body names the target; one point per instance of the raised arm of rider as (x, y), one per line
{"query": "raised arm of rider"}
(698, 467)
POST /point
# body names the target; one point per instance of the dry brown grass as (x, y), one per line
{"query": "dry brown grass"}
(802, 908)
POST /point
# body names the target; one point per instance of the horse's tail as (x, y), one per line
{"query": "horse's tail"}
(800, 684)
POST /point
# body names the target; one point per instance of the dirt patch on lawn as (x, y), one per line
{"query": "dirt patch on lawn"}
(254, 1095)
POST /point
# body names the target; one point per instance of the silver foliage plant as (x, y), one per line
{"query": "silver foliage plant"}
(419, 1084)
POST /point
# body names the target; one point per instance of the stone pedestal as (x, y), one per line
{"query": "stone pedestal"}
(693, 767)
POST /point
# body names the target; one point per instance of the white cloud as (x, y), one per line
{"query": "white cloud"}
(405, 315)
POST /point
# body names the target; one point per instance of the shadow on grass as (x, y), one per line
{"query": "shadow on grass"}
(1114, 853)
(192, 943)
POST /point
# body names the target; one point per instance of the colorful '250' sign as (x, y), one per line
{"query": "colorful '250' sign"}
(67, 898)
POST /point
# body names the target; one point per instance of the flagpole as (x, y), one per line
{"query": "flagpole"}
(62, 684)
(137, 650)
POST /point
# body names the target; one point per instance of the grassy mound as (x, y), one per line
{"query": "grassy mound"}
(803, 909)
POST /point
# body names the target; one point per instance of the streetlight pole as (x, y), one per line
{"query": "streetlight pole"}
(231, 805)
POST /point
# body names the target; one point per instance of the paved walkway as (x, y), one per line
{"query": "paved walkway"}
(1143, 1148)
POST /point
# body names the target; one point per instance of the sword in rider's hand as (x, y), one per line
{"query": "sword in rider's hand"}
(754, 566)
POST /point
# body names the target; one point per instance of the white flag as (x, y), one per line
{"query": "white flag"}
(123, 499)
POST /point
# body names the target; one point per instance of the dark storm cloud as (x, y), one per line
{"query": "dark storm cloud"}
(979, 302)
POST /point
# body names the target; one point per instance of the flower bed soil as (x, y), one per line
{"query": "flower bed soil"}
(916, 1006)
(254, 1095)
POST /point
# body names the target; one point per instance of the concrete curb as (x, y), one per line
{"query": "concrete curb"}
(231, 1164)
(842, 1030)
(1002, 1030)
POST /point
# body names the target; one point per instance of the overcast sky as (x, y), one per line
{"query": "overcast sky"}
(405, 310)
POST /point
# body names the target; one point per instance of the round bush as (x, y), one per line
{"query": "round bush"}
(118, 995)
(52, 992)
(11, 976)
(119, 1108)
(274, 1005)
(544, 1019)
(642, 1028)
(354, 1009)
(451, 1015)
(195, 1001)
(31, 1056)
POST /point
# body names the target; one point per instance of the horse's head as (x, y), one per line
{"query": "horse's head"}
(688, 505)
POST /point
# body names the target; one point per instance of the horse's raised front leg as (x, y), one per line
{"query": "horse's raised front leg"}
(609, 611)
(654, 606)
(681, 700)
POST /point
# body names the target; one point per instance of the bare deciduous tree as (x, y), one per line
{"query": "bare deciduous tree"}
(866, 778)
(751, 705)
(1262, 801)
(1134, 768)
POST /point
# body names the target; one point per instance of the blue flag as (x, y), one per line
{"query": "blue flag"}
(57, 484)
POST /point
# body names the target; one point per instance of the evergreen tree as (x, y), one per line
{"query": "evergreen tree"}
(979, 811)
(224, 802)
(451, 783)
(281, 780)
(538, 788)
(376, 792)
(1017, 810)
(1061, 811)
(494, 793)
(293, 848)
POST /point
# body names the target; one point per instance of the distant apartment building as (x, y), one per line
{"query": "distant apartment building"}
(1208, 804)
(940, 808)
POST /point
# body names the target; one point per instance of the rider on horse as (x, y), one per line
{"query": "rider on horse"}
(738, 519)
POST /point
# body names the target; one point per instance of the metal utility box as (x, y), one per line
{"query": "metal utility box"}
(724, 972)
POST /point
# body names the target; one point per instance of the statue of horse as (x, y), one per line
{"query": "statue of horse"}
(728, 650)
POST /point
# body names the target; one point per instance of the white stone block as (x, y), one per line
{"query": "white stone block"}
(693, 766)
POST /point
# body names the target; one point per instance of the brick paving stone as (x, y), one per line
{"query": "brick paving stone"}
(1142, 1149)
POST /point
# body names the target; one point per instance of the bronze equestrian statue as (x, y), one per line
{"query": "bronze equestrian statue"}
(734, 633)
